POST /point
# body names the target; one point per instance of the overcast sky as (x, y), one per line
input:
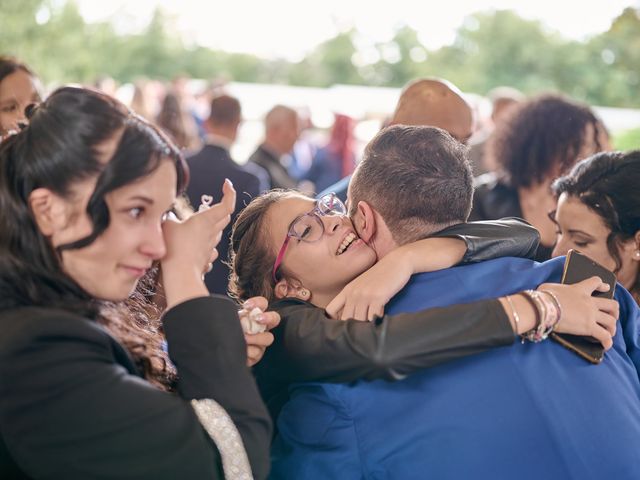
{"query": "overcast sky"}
(290, 28)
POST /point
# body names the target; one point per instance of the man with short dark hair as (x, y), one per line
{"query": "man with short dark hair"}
(526, 411)
(210, 166)
(391, 175)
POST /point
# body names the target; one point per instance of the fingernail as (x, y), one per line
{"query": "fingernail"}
(248, 305)
(261, 318)
(228, 182)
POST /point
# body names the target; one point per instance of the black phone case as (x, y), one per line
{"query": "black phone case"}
(578, 267)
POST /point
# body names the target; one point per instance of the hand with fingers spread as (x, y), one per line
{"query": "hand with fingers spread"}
(583, 314)
(191, 248)
(256, 324)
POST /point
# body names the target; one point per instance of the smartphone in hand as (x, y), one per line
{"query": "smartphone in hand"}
(578, 267)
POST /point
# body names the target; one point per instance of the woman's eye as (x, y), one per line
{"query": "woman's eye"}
(581, 244)
(135, 212)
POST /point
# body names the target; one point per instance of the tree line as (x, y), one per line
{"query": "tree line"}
(491, 48)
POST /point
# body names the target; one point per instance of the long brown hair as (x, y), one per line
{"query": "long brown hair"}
(251, 256)
(136, 324)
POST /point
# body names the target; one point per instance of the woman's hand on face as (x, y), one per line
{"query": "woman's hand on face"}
(583, 314)
(191, 244)
(365, 297)
(256, 324)
(191, 248)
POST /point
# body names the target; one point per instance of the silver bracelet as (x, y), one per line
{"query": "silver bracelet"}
(516, 317)
(555, 300)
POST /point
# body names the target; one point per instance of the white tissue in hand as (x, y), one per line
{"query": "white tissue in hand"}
(250, 323)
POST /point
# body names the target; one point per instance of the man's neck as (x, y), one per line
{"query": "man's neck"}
(272, 148)
(219, 140)
(383, 242)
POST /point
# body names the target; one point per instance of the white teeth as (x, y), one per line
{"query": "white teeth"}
(346, 242)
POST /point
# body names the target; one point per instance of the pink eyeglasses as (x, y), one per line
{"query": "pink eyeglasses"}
(310, 227)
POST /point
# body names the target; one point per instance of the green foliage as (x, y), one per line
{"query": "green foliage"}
(629, 140)
(491, 48)
(504, 49)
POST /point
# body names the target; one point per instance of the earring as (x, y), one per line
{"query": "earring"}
(304, 292)
(637, 254)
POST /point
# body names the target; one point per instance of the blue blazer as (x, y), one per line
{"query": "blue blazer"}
(526, 411)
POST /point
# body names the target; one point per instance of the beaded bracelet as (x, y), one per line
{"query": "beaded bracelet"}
(536, 334)
(556, 303)
(548, 311)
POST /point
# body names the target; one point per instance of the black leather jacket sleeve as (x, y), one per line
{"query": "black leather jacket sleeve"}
(309, 346)
(507, 237)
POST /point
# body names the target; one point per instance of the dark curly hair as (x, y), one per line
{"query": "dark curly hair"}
(607, 183)
(543, 137)
(418, 178)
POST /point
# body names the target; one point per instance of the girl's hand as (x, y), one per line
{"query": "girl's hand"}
(256, 324)
(365, 297)
(583, 314)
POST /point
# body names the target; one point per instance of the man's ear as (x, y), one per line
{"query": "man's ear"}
(365, 222)
(291, 288)
(48, 210)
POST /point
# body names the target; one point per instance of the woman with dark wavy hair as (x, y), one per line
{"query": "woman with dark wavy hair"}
(541, 140)
(84, 194)
(598, 213)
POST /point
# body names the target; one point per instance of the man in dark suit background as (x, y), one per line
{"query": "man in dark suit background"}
(210, 166)
(281, 130)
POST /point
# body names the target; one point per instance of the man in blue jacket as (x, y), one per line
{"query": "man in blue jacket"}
(527, 411)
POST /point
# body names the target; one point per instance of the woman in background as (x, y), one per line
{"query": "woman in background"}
(598, 213)
(19, 87)
(335, 160)
(177, 123)
(540, 140)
